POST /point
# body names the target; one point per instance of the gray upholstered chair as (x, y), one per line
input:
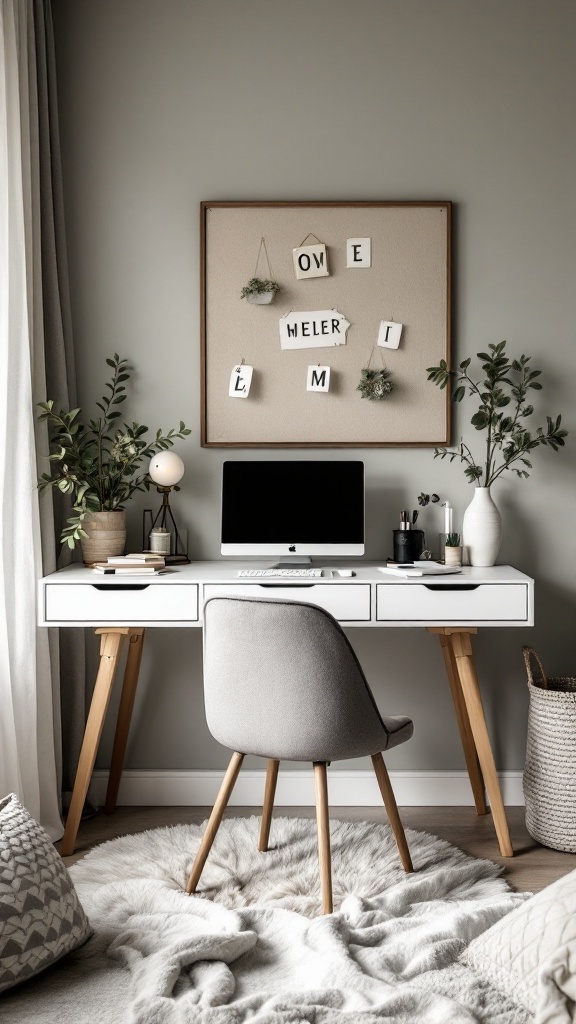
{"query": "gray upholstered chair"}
(282, 681)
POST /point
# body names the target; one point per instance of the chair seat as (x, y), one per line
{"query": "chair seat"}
(383, 735)
(399, 730)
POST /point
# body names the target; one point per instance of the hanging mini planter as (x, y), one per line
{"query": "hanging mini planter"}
(375, 384)
(260, 290)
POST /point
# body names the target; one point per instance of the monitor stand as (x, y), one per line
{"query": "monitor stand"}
(291, 560)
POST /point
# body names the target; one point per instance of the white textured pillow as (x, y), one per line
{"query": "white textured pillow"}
(517, 954)
(40, 915)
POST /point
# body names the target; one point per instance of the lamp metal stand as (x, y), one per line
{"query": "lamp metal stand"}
(165, 518)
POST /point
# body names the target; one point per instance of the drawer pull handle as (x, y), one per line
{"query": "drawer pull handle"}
(452, 586)
(288, 585)
(120, 586)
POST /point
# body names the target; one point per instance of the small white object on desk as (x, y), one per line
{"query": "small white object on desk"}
(160, 540)
(436, 570)
(447, 518)
(401, 572)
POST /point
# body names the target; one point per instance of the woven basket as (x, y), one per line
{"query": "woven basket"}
(550, 769)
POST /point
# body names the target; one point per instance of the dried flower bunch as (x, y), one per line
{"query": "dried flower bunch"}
(101, 464)
(425, 499)
(375, 383)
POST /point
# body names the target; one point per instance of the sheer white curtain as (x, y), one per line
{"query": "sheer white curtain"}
(27, 701)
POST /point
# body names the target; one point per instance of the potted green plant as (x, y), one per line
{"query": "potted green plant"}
(259, 290)
(452, 549)
(503, 406)
(100, 465)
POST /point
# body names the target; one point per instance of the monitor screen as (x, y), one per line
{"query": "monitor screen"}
(293, 508)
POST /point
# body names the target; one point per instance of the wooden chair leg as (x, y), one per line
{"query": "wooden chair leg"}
(270, 789)
(323, 825)
(214, 821)
(392, 810)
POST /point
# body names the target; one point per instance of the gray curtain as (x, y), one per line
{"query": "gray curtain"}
(59, 366)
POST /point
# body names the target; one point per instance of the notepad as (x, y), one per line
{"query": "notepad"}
(432, 570)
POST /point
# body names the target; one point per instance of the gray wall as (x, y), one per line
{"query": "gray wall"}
(166, 104)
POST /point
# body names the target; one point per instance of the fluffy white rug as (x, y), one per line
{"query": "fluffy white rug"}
(251, 946)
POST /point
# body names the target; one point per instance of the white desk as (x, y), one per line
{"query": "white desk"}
(452, 606)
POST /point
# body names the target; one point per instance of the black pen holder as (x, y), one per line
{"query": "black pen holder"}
(408, 545)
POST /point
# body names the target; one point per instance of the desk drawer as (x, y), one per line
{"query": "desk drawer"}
(452, 603)
(108, 604)
(349, 602)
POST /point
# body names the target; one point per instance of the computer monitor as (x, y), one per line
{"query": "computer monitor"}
(294, 510)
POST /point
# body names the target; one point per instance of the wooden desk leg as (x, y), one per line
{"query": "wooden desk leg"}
(464, 659)
(110, 646)
(130, 682)
(472, 763)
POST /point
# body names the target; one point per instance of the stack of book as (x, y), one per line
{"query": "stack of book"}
(143, 563)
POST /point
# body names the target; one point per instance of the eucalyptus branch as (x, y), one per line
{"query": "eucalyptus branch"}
(472, 471)
(505, 381)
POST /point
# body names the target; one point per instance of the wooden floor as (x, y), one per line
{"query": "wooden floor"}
(531, 869)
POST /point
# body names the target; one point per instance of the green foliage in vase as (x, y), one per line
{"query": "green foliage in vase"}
(503, 408)
(452, 540)
(375, 383)
(101, 464)
(257, 285)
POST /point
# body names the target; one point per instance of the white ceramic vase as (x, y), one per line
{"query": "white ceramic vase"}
(482, 528)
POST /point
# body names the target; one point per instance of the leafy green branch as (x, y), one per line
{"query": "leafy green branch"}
(100, 465)
(506, 385)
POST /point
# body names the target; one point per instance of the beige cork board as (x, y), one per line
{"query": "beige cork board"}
(408, 282)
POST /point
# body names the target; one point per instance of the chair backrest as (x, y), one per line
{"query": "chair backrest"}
(281, 680)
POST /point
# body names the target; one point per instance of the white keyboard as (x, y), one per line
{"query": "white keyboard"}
(279, 573)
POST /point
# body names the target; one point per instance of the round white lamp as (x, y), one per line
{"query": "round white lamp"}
(166, 469)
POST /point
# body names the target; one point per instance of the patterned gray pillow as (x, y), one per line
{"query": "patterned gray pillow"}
(40, 915)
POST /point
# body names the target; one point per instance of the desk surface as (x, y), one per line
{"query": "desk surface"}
(226, 571)
(495, 596)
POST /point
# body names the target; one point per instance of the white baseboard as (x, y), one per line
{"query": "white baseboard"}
(296, 788)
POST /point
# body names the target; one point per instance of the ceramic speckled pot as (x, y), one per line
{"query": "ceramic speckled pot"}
(106, 536)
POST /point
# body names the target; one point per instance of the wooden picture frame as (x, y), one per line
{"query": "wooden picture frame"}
(405, 278)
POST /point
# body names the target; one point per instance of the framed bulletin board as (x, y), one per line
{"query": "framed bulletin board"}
(387, 263)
